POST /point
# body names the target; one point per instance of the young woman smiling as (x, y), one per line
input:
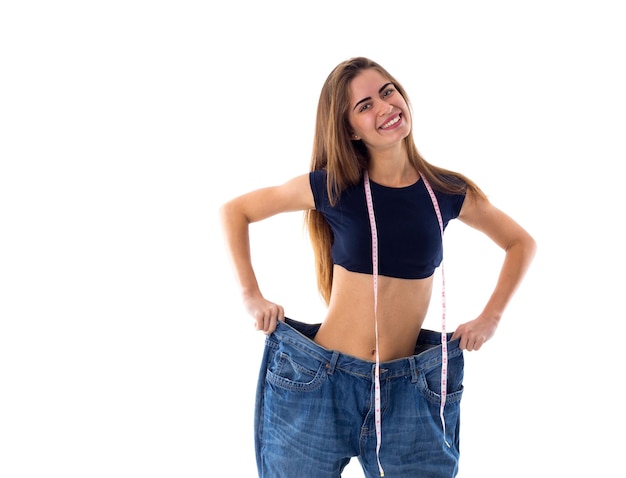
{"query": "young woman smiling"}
(368, 381)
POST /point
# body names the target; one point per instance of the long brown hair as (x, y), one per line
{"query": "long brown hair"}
(345, 160)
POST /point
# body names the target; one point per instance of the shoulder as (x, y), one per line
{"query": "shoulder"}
(476, 209)
(319, 187)
(318, 177)
(452, 195)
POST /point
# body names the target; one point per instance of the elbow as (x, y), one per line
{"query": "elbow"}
(224, 210)
(531, 246)
(227, 212)
(230, 212)
(523, 246)
(528, 246)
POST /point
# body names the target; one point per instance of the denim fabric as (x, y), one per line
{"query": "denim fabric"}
(315, 409)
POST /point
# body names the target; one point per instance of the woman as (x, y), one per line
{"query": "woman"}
(368, 381)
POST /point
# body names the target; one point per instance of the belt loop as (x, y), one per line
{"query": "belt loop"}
(330, 367)
(413, 369)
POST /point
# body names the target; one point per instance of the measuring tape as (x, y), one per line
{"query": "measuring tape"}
(444, 337)
(370, 209)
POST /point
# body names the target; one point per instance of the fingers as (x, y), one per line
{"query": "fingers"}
(471, 336)
(265, 320)
(471, 343)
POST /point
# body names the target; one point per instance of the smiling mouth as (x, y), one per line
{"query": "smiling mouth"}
(390, 123)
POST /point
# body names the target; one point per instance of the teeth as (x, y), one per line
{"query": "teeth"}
(392, 122)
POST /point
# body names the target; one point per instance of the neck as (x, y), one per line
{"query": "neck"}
(393, 170)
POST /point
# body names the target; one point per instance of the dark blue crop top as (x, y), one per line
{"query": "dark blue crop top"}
(409, 240)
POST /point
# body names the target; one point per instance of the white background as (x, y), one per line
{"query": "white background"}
(124, 350)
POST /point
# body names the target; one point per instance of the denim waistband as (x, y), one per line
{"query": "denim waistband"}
(295, 333)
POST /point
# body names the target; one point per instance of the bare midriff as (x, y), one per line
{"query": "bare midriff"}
(349, 326)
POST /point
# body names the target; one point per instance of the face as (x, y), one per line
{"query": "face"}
(378, 114)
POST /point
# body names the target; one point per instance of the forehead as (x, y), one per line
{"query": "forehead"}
(366, 83)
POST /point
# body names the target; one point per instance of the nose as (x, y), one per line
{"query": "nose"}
(385, 109)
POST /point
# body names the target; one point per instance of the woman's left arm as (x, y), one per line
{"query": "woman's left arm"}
(519, 247)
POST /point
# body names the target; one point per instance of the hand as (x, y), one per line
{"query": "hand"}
(475, 333)
(265, 313)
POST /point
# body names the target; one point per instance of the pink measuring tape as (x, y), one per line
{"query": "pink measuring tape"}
(444, 337)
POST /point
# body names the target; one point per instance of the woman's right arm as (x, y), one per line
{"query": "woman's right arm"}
(236, 215)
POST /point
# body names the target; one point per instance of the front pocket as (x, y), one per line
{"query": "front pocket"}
(429, 381)
(285, 372)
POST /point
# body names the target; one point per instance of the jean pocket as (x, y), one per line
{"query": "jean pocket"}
(429, 382)
(287, 372)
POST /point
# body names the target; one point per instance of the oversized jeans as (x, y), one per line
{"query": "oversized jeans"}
(314, 409)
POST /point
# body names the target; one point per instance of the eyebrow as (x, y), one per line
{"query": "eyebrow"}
(380, 90)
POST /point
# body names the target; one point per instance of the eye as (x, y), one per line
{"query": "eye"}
(388, 92)
(364, 107)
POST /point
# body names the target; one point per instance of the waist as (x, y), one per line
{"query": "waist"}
(426, 352)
